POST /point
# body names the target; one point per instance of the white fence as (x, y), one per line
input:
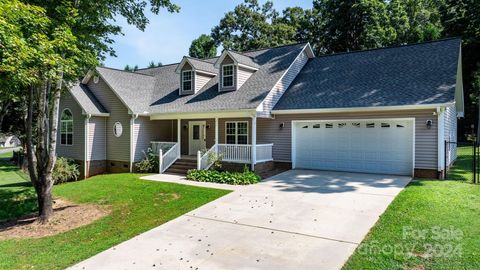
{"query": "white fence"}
(237, 153)
(166, 160)
(264, 152)
(164, 146)
(205, 161)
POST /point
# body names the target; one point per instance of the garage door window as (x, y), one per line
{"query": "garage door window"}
(236, 132)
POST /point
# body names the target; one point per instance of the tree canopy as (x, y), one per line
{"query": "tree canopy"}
(203, 47)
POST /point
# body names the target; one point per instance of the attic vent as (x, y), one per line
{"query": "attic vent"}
(95, 79)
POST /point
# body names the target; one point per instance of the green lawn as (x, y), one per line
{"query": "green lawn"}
(6, 155)
(421, 211)
(137, 206)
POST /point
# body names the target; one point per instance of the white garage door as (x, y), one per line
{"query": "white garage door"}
(370, 146)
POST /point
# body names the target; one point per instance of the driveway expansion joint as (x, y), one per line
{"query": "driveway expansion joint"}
(272, 229)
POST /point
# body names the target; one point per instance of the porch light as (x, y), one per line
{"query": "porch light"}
(185, 127)
(429, 124)
(208, 126)
(282, 125)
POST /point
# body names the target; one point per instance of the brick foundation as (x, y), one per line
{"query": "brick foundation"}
(95, 167)
(114, 166)
(264, 169)
(427, 173)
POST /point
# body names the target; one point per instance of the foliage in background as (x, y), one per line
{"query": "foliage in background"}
(65, 170)
(333, 26)
(149, 163)
(233, 178)
(203, 47)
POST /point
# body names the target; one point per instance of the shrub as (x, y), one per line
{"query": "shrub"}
(149, 164)
(233, 178)
(65, 170)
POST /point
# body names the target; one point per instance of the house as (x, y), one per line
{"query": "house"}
(387, 110)
(9, 141)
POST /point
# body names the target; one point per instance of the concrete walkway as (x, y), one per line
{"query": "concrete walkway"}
(299, 219)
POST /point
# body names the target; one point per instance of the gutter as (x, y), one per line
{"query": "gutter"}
(361, 109)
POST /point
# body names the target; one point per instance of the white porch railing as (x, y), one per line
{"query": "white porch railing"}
(264, 152)
(204, 162)
(237, 153)
(166, 160)
(165, 146)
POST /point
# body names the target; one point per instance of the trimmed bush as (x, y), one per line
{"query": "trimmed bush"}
(149, 164)
(233, 178)
(65, 170)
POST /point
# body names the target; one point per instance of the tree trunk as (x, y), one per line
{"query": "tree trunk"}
(4, 111)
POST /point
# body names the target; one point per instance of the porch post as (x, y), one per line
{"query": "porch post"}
(216, 130)
(254, 141)
(179, 130)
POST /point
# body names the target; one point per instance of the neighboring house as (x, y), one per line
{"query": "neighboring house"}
(385, 111)
(9, 141)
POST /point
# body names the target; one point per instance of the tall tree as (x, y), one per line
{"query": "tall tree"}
(60, 44)
(461, 18)
(252, 26)
(203, 47)
(352, 24)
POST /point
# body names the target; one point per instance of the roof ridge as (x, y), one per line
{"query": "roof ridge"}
(390, 47)
(130, 72)
(198, 59)
(274, 47)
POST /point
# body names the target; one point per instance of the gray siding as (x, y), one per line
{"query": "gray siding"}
(451, 133)
(242, 76)
(281, 86)
(200, 80)
(118, 149)
(97, 138)
(146, 131)
(77, 150)
(269, 131)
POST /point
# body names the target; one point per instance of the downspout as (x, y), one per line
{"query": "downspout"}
(441, 140)
(87, 132)
(132, 153)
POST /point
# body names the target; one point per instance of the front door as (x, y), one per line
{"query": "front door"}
(196, 136)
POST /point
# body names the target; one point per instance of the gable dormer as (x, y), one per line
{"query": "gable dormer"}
(234, 70)
(194, 74)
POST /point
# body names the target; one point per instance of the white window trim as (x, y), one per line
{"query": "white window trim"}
(236, 131)
(233, 75)
(66, 131)
(191, 80)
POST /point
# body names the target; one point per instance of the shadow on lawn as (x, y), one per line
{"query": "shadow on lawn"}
(16, 200)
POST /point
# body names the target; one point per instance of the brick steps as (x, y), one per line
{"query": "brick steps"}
(181, 166)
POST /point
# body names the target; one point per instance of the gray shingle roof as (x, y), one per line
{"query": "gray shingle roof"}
(272, 65)
(244, 59)
(406, 75)
(202, 65)
(87, 100)
(134, 89)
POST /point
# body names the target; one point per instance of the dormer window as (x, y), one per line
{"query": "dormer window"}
(187, 80)
(227, 76)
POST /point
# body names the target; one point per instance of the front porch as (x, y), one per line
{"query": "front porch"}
(233, 139)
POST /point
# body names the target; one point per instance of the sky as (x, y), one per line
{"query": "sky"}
(169, 35)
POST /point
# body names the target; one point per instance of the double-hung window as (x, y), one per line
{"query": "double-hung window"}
(227, 76)
(187, 80)
(66, 128)
(236, 132)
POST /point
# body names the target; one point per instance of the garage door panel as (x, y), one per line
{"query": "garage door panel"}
(372, 146)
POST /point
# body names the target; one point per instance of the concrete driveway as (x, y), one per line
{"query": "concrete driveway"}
(300, 219)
